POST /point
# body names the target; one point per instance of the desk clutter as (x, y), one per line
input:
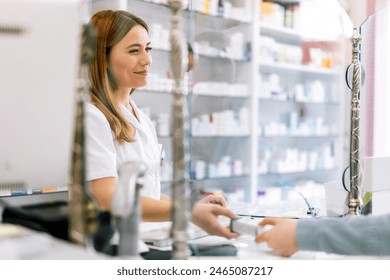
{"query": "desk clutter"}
(28, 231)
(49, 223)
(20, 243)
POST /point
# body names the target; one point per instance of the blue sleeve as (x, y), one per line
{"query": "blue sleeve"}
(349, 235)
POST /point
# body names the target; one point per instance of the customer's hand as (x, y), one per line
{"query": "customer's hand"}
(205, 216)
(281, 238)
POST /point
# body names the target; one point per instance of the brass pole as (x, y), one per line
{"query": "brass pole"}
(83, 213)
(354, 200)
(180, 184)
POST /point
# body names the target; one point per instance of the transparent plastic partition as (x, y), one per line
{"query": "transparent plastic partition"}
(265, 103)
(375, 92)
(374, 104)
(220, 99)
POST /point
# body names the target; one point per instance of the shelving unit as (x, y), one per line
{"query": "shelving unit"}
(299, 112)
(238, 121)
(222, 94)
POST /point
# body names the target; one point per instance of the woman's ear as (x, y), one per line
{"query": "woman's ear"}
(191, 58)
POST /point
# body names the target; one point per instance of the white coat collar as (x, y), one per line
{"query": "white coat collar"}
(137, 123)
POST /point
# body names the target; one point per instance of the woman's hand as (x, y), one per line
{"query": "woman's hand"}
(205, 216)
(213, 199)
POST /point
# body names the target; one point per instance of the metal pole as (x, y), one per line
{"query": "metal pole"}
(180, 184)
(354, 200)
(83, 213)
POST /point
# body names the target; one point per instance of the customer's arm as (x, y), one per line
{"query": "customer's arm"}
(350, 235)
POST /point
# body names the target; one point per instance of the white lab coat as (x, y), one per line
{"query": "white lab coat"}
(105, 155)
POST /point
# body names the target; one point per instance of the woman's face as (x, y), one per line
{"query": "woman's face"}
(130, 59)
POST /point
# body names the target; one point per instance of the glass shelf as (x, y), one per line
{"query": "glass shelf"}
(282, 33)
(210, 95)
(218, 22)
(300, 136)
(221, 178)
(333, 103)
(292, 173)
(290, 67)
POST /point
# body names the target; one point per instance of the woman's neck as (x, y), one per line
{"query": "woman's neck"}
(123, 98)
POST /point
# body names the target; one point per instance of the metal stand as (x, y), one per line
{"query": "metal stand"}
(126, 207)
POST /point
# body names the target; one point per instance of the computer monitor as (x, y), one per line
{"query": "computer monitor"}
(39, 61)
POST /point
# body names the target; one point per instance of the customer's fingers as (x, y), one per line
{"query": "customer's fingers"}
(261, 237)
(268, 221)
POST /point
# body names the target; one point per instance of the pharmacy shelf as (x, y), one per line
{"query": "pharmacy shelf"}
(221, 178)
(302, 137)
(195, 137)
(280, 100)
(221, 56)
(275, 108)
(290, 67)
(294, 173)
(203, 137)
(217, 63)
(282, 33)
(217, 22)
(220, 95)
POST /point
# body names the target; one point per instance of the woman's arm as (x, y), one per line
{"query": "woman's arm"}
(152, 210)
(204, 214)
(165, 197)
(155, 210)
(103, 190)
